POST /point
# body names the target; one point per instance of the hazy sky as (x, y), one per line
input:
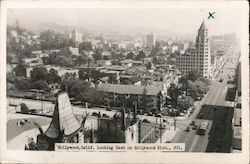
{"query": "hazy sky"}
(176, 20)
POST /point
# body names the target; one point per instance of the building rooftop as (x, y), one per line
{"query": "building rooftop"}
(129, 89)
(63, 120)
(203, 26)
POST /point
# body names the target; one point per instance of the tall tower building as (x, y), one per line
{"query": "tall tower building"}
(150, 40)
(75, 36)
(197, 58)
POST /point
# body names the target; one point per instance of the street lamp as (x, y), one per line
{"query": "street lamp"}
(39, 91)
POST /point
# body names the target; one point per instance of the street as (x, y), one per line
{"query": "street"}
(216, 96)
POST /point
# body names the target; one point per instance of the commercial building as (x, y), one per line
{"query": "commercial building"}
(150, 40)
(75, 36)
(197, 58)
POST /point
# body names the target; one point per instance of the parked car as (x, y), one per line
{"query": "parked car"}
(192, 123)
(105, 115)
(195, 127)
(150, 114)
(188, 129)
(108, 109)
(157, 115)
(146, 121)
(95, 114)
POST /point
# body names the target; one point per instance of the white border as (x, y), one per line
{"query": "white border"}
(11, 156)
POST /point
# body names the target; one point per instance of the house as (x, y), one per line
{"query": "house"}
(103, 62)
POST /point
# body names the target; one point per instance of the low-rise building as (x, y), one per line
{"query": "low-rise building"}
(74, 50)
(119, 93)
(103, 62)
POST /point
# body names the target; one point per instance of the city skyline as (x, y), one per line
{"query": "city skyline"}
(131, 21)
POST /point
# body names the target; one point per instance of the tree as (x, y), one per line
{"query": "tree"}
(78, 89)
(23, 84)
(202, 87)
(9, 59)
(130, 55)
(205, 81)
(41, 85)
(193, 90)
(39, 73)
(53, 77)
(184, 83)
(20, 70)
(105, 57)
(174, 92)
(84, 73)
(155, 60)
(149, 65)
(81, 59)
(97, 55)
(52, 40)
(185, 103)
(85, 46)
(193, 75)
(65, 51)
(140, 55)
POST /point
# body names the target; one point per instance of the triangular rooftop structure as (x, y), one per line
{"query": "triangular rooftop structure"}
(203, 26)
(177, 71)
(63, 121)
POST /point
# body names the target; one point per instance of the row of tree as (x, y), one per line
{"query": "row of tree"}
(191, 87)
(139, 56)
(40, 78)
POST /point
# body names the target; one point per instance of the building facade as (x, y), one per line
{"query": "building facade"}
(75, 36)
(197, 58)
(129, 94)
(150, 40)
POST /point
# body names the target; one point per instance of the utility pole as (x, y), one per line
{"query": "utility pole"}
(88, 69)
(174, 123)
(160, 131)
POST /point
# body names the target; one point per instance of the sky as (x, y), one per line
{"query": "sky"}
(132, 20)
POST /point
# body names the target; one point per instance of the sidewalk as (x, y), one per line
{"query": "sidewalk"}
(168, 134)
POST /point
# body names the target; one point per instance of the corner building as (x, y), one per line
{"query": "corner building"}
(197, 58)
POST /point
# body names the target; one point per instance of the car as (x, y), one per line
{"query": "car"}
(96, 114)
(157, 115)
(195, 127)
(192, 123)
(198, 99)
(146, 121)
(105, 115)
(150, 114)
(108, 109)
(188, 129)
